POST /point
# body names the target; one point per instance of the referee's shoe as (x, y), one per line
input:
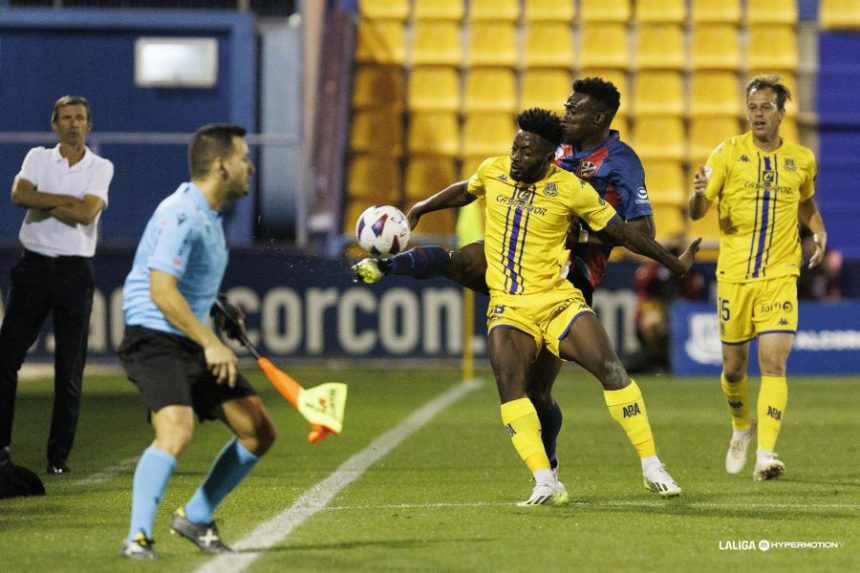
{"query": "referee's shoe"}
(204, 535)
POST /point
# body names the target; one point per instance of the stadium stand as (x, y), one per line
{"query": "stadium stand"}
(381, 42)
(436, 43)
(659, 138)
(715, 47)
(490, 90)
(771, 12)
(505, 10)
(840, 14)
(548, 45)
(604, 46)
(383, 9)
(374, 179)
(707, 132)
(377, 131)
(604, 11)
(715, 11)
(426, 175)
(772, 46)
(539, 10)
(658, 93)
(434, 133)
(660, 46)
(661, 11)
(715, 93)
(438, 10)
(666, 182)
(487, 134)
(546, 88)
(434, 88)
(493, 43)
(377, 86)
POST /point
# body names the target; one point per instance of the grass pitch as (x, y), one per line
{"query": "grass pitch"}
(444, 499)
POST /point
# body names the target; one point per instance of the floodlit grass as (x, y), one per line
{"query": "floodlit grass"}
(444, 499)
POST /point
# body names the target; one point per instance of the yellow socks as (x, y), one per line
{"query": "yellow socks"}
(736, 396)
(521, 421)
(772, 399)
(627, 407)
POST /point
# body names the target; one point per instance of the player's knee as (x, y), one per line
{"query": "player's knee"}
(175, 441)
(773, 366)
(613, 377)
(733, 373)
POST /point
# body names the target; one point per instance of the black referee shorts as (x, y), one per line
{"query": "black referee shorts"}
(169, 370)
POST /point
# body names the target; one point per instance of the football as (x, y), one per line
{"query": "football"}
(382, 230)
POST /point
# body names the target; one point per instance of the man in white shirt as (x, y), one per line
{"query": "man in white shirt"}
(64, 190)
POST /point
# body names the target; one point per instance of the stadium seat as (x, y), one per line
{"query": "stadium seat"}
(665, 182)
(426, 175)
(619, 80)
(708, 227)
(772, 47)
(604, 11)
(470, 165)
(435, 223)
(488, 134)
(545, 88)
(438, 10)
(374, 178)
(716, 47)
(508, 10)
(552, 10)
(437, 43)
(604, 46)
(715, 93)
(548, 45)
(712, 11)
(493, 44)
(669, 221)
(434, 88)
(661, 11)
(772, 12)
(659, 138)
(378, 86)
(490, 90)
(380, 42)
(660, 46)
(377, 132)
(708, 132)
(383, 9)
(434, 133)
(658, 93)
(839, 14)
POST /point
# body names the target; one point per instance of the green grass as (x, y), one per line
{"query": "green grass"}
(444, 500)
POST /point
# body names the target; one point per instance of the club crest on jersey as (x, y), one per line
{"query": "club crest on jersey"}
(587, 169)
(789, 164)
(551, 189)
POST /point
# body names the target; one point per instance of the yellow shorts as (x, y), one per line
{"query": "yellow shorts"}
(546, 316)
(746, 310)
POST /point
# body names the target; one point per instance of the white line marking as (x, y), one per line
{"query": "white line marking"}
(318, 496)
(109, 472)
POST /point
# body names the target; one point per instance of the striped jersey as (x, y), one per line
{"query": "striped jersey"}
(526, 224)
(758, 194)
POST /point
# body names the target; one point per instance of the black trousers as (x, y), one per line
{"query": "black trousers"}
(62, 286)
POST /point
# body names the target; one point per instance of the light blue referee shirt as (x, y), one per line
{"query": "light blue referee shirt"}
(184, 238)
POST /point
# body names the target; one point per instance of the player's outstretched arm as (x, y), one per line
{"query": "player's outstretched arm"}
(455, 195)
(642, 244)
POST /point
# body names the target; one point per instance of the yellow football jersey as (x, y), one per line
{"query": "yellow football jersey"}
(525, 226)
(758, 195)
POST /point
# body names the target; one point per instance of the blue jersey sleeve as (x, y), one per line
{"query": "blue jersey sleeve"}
(628, 178)
(173, 245)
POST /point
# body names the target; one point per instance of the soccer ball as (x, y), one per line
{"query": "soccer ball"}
(382, 230)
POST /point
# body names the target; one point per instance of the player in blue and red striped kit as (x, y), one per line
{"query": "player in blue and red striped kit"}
(593, 152)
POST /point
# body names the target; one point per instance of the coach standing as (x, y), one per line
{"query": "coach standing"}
(64, 190)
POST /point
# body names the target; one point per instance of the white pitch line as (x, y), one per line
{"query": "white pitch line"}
(109, 472)
(315, 499)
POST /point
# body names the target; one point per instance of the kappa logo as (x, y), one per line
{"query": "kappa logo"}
(735, 404)
(503, 177)
(551, 189)
(181, 218)
(789, 164)
(631, 410)
(783, 322)
(511, 431)
(744, 158)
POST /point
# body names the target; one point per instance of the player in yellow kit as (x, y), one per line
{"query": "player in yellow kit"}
(530, 204)
(763, 185)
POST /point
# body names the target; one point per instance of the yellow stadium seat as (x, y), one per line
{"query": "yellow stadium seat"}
(438, 10)
(708, 227)
(434, 133)
(550, 10)
(377, 86)
(666, 11)
(470, 165)
(618, 78)
(384, 9)
(665, 182)
(493, 44)
(489, 90)
(488, 134)
(660, 46)
(659, 138)
(545, 88)
(427, 175)
(548, 45)
(434, 88)
(716, 93)
(839, 14)
(715, 47)
(508, 10)
(772, 47)
(604, 10)
(604, 46)
(658, 93)
(374, 178)
(381, 42)
(669, 221)
(377, 132)
(436, 43)
(708, 132)
(773, 12)
(710, 11)
(435, 223)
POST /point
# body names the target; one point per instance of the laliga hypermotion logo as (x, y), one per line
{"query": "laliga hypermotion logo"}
(703, 344)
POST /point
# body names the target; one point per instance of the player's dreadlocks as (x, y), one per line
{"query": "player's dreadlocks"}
(774, 82)
(542, 122)
(601, 91)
